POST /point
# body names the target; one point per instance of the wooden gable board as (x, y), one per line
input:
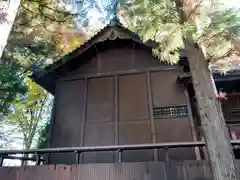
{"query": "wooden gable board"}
(47, 78)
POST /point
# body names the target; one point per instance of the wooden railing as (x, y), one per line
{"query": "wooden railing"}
(39, 153)
(185, 170)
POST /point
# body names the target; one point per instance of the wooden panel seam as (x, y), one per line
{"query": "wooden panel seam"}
(127, 72)
(191, 121)
(53, 118)
(150, 105)
(116, 119)
(84, 116)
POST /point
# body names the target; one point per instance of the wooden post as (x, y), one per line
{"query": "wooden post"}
(152, 121)
(116, 116)
(211, 115)
(192, 124)
(81, 156)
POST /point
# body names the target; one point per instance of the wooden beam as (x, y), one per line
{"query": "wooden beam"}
(192, 124)
(125, 72)
(52, 122)
(109, 148)
(116, 115)
(53, 115)
(82, 133)
(152, 122)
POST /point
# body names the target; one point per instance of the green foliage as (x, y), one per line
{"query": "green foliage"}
(34, 41)
(42, 32)
(29, 112)
(23, 51)
(29, 45)
(219, 34)
(43, 137)
(11, 85)
(5, 133)
(159, 20)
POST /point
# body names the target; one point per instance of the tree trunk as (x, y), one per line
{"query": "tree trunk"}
(212, 119)
(8, 11)
(211, 115)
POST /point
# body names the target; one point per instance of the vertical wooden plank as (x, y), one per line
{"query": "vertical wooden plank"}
(130, 171)
(169, 94)
(93, 172)
(100, 100)
(62, 172)
(174, 171)
(116, 128)
(8, 173)
(197, 170)
(134, 120)
(44, 172)
(184, 171)
(84, 111)
(156, 171)
(68, 120)
(165, 90)
(35, 173)
(99, 134)
(84, 117)
(53, 116)
(116, 59)
(116, 108)
(237, 161)
(135, 133)
(187, 170)
(207, 173)
(152, 123)
(100, 120)
(133, 100)
(193, 170)
(192, 124)
(52, 120)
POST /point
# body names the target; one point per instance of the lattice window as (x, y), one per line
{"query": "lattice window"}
(170, 112)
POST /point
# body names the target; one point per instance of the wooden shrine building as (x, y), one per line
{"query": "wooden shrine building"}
(114, 102)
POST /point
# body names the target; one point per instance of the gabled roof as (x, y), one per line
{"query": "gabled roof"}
(48, 76)
(114, 30)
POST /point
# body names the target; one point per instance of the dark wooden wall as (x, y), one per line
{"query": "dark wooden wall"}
(110, 99)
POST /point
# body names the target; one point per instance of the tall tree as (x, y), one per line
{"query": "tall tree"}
(195, 24)
(211, 115)
(42, 31)
(8, 11)
(44, 137)
(5, 134)
(11, 85)
(30, 113)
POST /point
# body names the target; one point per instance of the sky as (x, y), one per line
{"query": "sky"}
(232, 3)
(5, 26)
